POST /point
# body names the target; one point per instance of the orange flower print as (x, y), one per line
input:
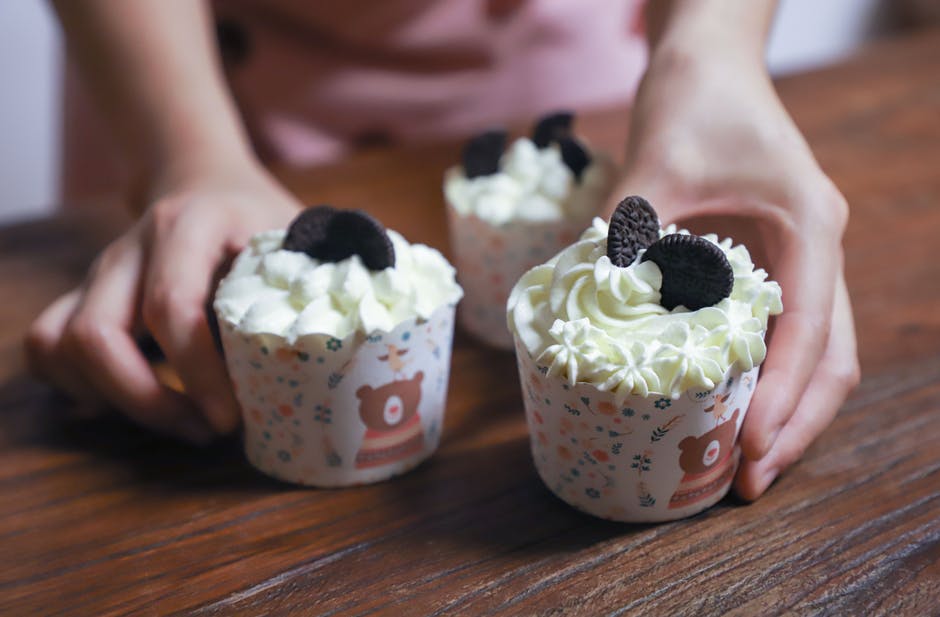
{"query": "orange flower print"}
(606, 408)
(286, 410)
(564, 453)
(600, 455)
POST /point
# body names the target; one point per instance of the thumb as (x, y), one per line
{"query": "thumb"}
(647, 185)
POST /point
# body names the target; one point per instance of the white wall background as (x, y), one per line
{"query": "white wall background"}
(813, 33)
(30, 53)
(807, 34)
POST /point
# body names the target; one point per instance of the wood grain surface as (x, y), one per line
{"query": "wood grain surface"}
(101, 518)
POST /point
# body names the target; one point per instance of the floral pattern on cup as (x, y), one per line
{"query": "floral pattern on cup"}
(337, 412)
(644, 459)
(491, 259)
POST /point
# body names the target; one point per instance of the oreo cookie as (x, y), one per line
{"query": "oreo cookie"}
(309, 229)
(634, 225)
(482, 153)
(327, 234)
(696, 272)
(574, 155)
(551, 128)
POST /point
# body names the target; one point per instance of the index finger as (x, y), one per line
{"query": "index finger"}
(823, 397)
(174, 308)
(807, 274)
(100, 344)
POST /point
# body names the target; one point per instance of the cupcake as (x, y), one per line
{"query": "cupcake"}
(511, 209)
(337, 336)
(638, 351)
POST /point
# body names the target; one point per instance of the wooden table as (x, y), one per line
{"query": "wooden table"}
(101, 518)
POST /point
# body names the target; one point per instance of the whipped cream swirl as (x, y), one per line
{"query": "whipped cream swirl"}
(588, 320)
(534, 185)
(289, 294)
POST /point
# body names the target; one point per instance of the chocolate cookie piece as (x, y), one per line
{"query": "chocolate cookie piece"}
(574, 155)
(552, 128)
(696, 272)
(633, 226)
(331, 235)
(482, 153)
(308, 229)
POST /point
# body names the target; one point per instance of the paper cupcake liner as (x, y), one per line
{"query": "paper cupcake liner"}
(334, 412)
(645, 459)
(489, 261)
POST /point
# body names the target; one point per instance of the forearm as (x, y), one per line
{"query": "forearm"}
(701, 27)
(153, 68)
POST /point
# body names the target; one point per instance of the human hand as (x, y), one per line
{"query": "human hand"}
(157, 277)
(711, 145)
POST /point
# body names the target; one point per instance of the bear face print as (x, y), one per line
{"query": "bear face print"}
(393, 426)
(385, 407)
(706, 462)
(700, 453)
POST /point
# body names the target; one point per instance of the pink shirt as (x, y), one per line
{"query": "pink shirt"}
(316, 79)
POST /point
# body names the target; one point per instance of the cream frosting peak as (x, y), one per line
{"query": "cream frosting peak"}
(588, 320)
(289, 294)
(533, 185)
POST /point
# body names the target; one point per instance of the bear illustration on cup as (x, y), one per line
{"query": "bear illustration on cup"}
(707, 464)
(393, 426)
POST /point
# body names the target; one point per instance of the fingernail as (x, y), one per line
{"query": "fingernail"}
(196, 431)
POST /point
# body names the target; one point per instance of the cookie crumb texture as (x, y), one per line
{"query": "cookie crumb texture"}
(634, 226)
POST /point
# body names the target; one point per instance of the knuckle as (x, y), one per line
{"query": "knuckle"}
(40, 339)
(113, 254)
(166, 305)
(165, 213)
(85, 333)
(818, 203)
(846, 374)
(834, 213)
